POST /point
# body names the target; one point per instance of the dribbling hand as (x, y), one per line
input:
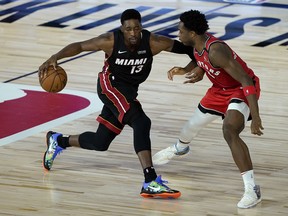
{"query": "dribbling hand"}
(42, 71)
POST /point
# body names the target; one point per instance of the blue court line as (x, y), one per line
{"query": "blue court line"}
(68, 60)
(80, 56)
(264, 4)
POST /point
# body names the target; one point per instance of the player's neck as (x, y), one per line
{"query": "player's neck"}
(132, 47)
(200, 42)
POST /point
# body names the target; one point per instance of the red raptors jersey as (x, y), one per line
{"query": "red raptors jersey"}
(218, 76)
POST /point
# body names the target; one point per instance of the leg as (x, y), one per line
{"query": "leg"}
(108, 129)
(198, 121)
(153, 186)
(189, 131)
(99, 141)
(233, 125)
(142, 145)
(141, 125)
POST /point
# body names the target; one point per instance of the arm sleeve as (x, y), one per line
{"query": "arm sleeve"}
(180, 48)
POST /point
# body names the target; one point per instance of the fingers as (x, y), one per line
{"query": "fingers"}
(43, 69)
(192, 78)
(257, 130)
(173, 71)
(190, 75)
(170, 75)
(195, 75)
(54, 65)
(188, 81)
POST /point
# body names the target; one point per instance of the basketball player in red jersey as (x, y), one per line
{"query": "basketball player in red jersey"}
(233, 96)
(129, 54)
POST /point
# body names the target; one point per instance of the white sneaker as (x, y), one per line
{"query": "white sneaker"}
(165, 155)
(250, 198)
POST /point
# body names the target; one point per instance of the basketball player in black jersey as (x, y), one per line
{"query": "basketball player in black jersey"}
(129, 56)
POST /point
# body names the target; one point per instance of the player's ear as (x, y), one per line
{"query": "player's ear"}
(122, 28)
(192, 33)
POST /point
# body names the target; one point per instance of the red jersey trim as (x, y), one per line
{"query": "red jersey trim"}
(113, 94)
(109, 125)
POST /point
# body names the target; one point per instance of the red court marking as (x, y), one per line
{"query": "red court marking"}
(36, 108)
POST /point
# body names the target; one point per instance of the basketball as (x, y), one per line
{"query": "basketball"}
(54, 80)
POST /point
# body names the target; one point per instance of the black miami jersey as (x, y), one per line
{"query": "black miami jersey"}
(130, 67)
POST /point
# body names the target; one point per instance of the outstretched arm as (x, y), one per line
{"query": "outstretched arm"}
(103, 42)
(159, 43)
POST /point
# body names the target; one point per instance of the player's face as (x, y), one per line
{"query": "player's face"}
(132, 31)
(185, 35)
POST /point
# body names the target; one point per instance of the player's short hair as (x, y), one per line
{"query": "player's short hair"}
(195, 21)
(130, 14)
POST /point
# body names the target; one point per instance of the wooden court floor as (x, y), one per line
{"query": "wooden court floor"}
(108, 183)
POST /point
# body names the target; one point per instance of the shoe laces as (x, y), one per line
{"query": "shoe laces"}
(162, 182)
(54, 149)
(58, 150)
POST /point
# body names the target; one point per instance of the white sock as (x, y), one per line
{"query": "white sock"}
(248, 179)
(181, 146)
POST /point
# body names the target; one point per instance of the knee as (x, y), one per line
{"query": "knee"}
(136, 117)
(233, 125)
(141, 127)
(142, 124)
(146, 123)
(230, 132)
(227, 132)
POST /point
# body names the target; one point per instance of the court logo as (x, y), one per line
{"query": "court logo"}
(26, 110)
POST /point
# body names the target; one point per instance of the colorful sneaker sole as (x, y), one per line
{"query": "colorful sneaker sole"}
(162, 195)
(47, 168)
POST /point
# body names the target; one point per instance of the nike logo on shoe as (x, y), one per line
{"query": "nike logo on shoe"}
(154, 189)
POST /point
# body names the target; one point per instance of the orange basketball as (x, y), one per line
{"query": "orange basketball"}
(54, 80)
